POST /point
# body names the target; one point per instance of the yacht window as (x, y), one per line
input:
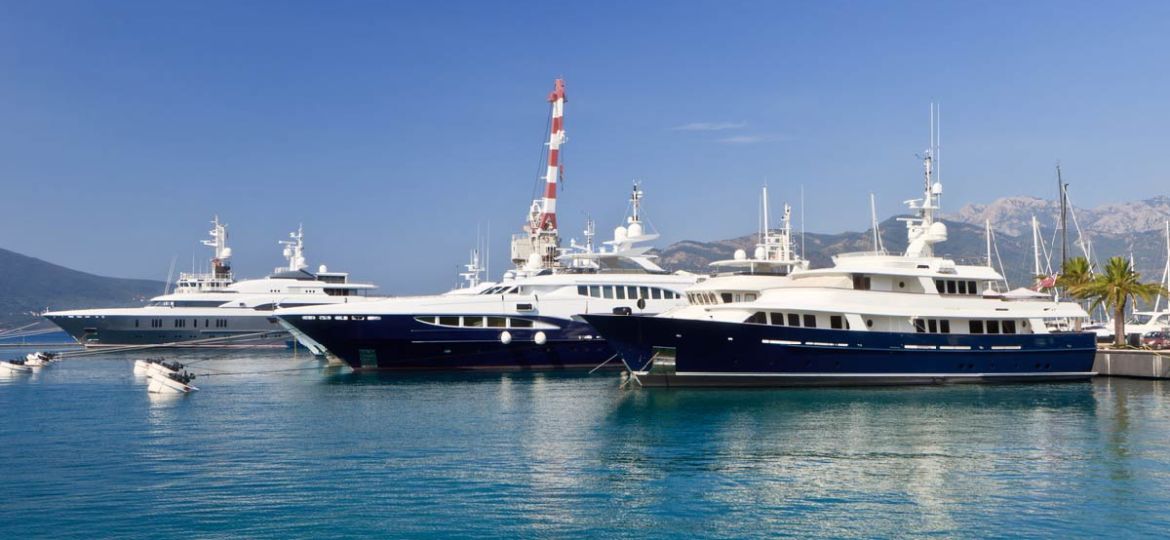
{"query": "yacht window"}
(473, 321)
(810, 321)
(520, 323)
(644, 292)
(793, 319)
(950, 286)
(713, 298)
(1009, 327)
(607, 291)
(758, 317)
(976, 327)
(497, 322)
(621, 292)
(749, 297)
(430, 320)
(727, 298)
(919, 326)
(932, 325)
(861, 282)
(778, 319)
(972, 287)
(582, 290)
(449, 321)
(962, 287)
(942, 287)
(992, 327)
(595, 291)
(656, 293)
(135, 323)
(631, 292)
(671, 294)
(944, 326)
(835, 322)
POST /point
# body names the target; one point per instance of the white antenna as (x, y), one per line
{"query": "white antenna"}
(937, 143)
(802, 252)
(877, 235)
(987, 234)
(170, 273)
(764, 223)
(1036, 270)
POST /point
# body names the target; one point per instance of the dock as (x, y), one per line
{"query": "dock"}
(1141, 364)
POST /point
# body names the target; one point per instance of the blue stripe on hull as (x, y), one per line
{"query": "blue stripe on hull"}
(709, 353)
(402, 343)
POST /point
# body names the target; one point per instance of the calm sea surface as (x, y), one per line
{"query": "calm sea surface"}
(273, 453)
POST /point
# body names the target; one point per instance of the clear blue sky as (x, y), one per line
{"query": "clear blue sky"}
(393, 130)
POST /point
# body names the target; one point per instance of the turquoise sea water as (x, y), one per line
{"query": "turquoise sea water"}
(86, 452)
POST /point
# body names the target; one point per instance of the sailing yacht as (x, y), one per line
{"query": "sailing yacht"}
(213, 308)
(871, 318)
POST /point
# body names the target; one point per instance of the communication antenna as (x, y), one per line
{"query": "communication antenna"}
(877, 235)
(170, 274)
(803, 254)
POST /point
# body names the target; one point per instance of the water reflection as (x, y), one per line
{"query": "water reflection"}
(274, 444)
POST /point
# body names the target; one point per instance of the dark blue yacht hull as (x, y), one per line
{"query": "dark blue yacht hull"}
(681, 352)
(400, 342)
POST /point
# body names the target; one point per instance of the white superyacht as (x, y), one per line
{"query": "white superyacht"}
(213, 309)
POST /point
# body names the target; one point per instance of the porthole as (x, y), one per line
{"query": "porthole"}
(869, 323)
(901, 284)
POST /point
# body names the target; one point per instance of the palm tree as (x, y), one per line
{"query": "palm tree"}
(1114, 288)
(1077, 271)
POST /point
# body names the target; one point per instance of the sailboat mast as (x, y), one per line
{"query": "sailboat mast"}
(987, 235)
(1063, 219)
(1035, 248)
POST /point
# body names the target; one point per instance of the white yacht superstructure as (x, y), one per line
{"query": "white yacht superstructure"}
(210, 309)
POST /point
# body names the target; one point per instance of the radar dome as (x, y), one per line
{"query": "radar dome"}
(634, 230)
(740, 254)
(533, 260)
(619, 234)
(759, 253)
(936, 189)
(322, 269)
(938, 231)
(227, 252)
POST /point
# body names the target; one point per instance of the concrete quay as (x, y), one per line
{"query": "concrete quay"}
(1132, 363)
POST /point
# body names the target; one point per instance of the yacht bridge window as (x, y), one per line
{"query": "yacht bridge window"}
(992, 326)
(624, 292)
(956, 286)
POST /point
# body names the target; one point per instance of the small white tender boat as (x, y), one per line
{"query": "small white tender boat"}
(162, 367)
(15, 366)
(39, 359)
(142, 365)
(171, 383)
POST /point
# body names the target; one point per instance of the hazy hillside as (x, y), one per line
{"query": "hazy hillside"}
(29, 285)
